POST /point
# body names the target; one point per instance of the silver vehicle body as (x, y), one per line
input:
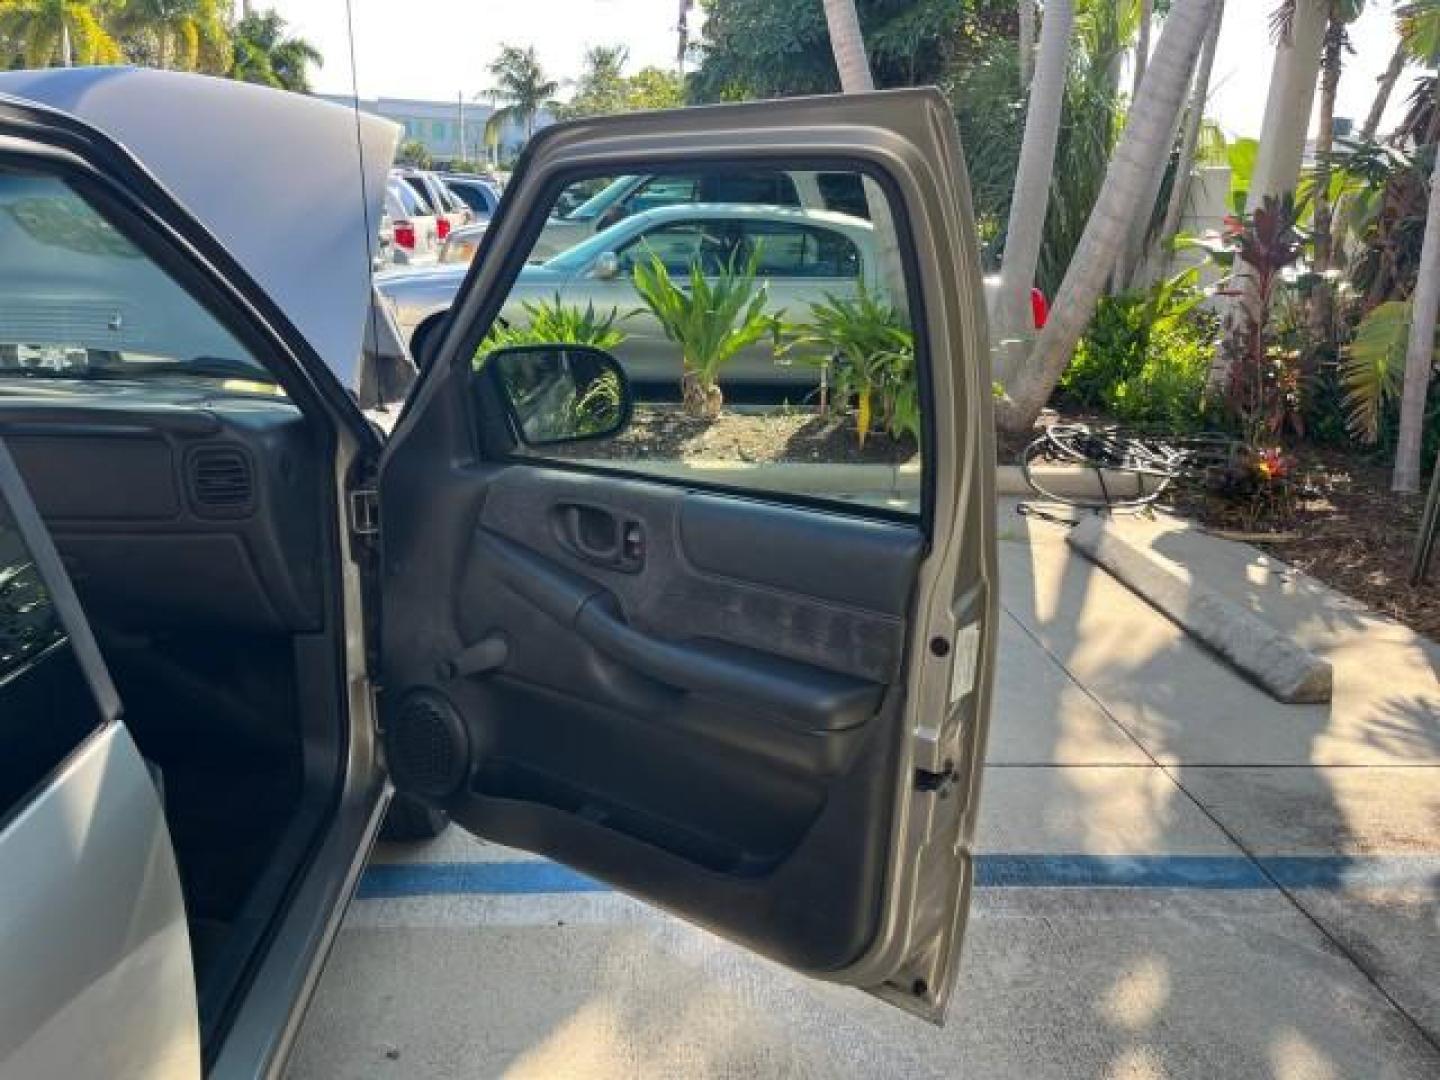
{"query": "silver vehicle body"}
(479, 194)
(89, 849)
(387, 625)
(421, 299)
(628, 195)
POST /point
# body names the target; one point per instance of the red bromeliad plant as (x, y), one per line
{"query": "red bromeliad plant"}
(1262, 389)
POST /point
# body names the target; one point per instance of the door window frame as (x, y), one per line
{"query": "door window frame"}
(491, 434)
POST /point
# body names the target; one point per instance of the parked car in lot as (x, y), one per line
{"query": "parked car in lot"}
(281, 622)
(449, 211)
(804, 256)
(460, 246)
(414, 228)
(834, 190)
(479, 194)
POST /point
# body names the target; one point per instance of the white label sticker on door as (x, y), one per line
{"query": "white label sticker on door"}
(967, 655)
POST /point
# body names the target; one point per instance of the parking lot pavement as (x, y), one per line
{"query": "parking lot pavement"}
(1178, 878)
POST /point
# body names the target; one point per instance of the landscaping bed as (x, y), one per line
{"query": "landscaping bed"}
(1353, 533)
(660, 432)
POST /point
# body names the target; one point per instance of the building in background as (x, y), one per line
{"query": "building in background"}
(436, 125)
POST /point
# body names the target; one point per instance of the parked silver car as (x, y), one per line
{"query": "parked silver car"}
(804, 257)
(626, 195)
(274, 608)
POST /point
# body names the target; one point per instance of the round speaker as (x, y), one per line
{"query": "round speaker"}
(426, 745)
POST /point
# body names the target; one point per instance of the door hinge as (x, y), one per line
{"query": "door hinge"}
(365, 512)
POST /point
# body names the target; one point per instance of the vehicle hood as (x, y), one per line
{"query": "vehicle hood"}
(291, 186)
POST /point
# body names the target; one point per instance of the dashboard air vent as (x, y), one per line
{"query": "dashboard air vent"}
(221, 481)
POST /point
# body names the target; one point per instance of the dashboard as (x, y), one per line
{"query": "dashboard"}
(175, 503)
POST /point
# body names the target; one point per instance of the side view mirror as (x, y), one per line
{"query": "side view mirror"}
(561, 393)
(607, 266)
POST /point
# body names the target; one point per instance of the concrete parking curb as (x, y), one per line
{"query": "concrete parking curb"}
(1256, 649)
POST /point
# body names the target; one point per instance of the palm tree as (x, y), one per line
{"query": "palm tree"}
(189, 35)
(1386, 88)
(848, 45)
(1142, 45)
(1190, 139)
(1420, 31)
(1033, 176)
(43, 32)
(264, 53)
(1027, 43)
(1339, 15)
(1146, 140)
(521, 83)
(1300, 32)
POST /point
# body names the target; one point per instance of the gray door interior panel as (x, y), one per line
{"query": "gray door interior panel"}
(670, 689)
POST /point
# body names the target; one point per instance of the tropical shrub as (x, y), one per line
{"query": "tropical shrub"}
(556, 323)
(1146, 356)
(868, 354)
(711, 322)
(1262, 390)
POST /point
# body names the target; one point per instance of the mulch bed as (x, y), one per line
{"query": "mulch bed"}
(661, 432)
(1356, 535)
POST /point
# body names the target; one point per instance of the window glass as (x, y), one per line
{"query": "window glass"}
(844, 193)
(663, 191)
(772, 188)
(793, 368)
(680, 245)
(423, 204)
(791, 249)
(46, 708)
(79, 301)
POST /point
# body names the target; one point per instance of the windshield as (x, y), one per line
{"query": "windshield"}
(79, 300)
(597, 204)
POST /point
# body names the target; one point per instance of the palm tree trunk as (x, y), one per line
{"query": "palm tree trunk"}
(1033, 177)
(1145, 140)
(1382, 94)
(1288, 104)
(848, 46)
(1322, 307)
(1142, 45)
(1027, 43)
(1282, 144)
(1420, 356)
(1194, 118)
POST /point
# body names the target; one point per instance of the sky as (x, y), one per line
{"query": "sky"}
(436, 49)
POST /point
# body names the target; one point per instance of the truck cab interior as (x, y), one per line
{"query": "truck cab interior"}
(191, 501)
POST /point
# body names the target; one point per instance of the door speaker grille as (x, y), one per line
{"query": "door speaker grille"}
(426, 745)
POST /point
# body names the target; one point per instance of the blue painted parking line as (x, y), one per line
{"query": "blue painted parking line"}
(994, 871)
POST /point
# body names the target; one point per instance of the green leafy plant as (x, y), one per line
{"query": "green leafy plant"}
(553, 322)
(1146, 356)
(869, 355)
(1372, 367)
(711, 322)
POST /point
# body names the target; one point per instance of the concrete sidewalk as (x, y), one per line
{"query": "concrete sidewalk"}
(1180, 878)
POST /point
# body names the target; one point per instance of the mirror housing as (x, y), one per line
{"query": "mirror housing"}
(560, 393)
(607, 266)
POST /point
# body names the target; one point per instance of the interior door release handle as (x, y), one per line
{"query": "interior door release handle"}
(599, 536)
